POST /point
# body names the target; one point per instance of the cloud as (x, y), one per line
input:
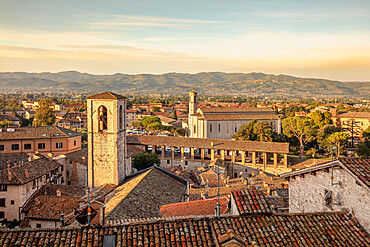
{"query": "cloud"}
(127, 21)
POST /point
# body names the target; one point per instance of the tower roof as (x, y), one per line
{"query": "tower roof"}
(106, 95)
(193, 92)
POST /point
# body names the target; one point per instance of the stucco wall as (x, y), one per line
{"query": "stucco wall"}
(307, 195)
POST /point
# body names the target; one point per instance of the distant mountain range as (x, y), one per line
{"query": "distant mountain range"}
(212, 83)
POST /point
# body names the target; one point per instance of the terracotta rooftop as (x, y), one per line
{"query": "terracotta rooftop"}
(142, 193)
(239, 110)
(206, 143)
(52, 190)
(229, 117)
(77, 156)
(26, 172)
(40, 132)
(106, 95)
(8, 117)
(51, 207)
(360, 168)
(325, 229)
(251, 202)
(12, 159)
(204, 207)
(355, 115)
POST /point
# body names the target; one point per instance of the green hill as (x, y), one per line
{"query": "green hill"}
(179, 83)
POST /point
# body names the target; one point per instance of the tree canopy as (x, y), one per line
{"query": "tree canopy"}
(321, 118)
(44, 115)
(338, 139)
(145, 160)
(149, 120)
(254, 131)
(302, 128)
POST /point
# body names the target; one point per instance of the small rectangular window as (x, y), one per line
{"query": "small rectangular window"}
(41, 146)
(236, 130)
(210, 128)
(2, 214)
(15, 146)
(195, 129)
(2, 202)
(59, 145)
(2, 148)
(27, 146)
(75, 142)
(12, 202)
(219, 127)
(38, 225)
(3, 187)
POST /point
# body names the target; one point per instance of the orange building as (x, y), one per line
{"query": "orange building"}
(43, 139)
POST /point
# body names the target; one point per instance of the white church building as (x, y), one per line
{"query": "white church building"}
(222, 123)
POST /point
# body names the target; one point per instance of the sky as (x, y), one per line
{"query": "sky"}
(316, 38)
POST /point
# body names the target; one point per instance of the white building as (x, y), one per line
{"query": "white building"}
(222, 123)
(312, 189)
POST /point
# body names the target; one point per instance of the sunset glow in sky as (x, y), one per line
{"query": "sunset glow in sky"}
(326, 39)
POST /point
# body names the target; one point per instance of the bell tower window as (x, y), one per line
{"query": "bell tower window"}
(120, 118)
(103, 118)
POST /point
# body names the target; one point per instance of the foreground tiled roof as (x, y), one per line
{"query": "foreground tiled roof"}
(141, 195)
(199, 207)
(296, 230)
(251, 202)
(271, 147)
(26, 172)
(359, 167)
(106, 95)
(38, 132)
(13, 158)
(330, 229)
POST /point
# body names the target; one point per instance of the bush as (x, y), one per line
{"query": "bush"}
(145, 160)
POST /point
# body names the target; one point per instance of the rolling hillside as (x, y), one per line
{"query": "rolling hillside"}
(179, 83)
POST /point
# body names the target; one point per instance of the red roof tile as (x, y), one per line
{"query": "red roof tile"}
(200, 207)
(106, 95)
(360, 168)
(251, 202)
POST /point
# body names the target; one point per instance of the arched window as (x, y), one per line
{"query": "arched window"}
(103, 119)
(120, 118)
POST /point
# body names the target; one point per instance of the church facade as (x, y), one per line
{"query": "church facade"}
(222, 123)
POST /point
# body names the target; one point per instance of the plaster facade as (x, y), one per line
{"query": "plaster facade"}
(307, 194)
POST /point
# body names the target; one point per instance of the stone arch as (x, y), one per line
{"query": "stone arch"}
(103, 118)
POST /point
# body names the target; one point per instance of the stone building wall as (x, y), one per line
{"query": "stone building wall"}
(306, 195)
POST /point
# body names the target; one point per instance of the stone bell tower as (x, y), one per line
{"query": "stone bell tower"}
(107, 148)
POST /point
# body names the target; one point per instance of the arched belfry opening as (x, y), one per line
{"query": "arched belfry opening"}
(103, 118)
(120, 118)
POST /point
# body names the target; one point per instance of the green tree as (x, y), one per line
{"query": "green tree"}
(155, 108)
(136, 124)
(322, 135)
(338, 139)
(44, 115)
(149, 120)
(174, 115)
(155, 126)
(145, 160)
(321, 118)
(5, 123)
(246, 132)
(363, 149)
(263, 131)
(303, 128)
(180, 132)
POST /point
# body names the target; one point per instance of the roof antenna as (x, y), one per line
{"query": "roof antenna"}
(332, 167)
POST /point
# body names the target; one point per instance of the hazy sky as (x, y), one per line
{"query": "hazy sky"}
(316, 38)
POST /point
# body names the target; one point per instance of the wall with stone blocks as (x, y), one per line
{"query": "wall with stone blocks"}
(306, 194)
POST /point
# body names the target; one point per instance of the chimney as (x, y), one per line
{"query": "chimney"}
(51, 155)
(59, 193)
(10, 175)
(27, 173)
